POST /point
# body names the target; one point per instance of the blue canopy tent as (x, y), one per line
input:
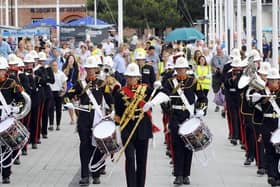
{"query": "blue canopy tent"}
(46, 22)
(87, 20)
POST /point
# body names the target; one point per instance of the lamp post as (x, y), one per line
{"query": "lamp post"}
(16, 13)
(239, 24)
(57, 21)
(7, 13)
(248, 25)
(120, 21)
(275, 38)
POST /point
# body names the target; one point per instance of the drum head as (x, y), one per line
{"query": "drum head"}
(4, 125)
(104, 129)
(189, 126)
(275, 138)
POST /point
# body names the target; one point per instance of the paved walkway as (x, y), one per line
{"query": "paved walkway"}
(56, 162)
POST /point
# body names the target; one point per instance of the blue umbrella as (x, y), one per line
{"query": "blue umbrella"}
(50, 22)
(87, 20)
(184, 34)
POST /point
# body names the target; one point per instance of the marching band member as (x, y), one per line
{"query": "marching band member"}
(147, 71)
(269, 100)
(233, 101)
(33, 90)
(49, 79)
(10, 91)
(128, 103)
(86, 119)
(182, 92)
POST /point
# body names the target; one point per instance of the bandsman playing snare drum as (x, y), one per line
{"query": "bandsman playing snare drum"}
(87, 116)
(182, 92)
(11, 91)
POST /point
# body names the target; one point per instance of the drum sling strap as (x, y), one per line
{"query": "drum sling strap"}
(183, 97)
(97, 111)
(274, 105)
(6, 109)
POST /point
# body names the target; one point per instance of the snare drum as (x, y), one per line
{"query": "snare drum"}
(195, 134)
(107, 137)
(13, 134)
(275, 140)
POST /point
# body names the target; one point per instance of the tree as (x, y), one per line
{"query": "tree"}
(142, 14)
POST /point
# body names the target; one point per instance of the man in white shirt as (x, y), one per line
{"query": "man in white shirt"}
(108, 47)
(58, 90)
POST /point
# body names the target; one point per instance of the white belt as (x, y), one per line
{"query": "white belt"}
(87, 107)
(179, 107)
(271, 115)
(232, 90)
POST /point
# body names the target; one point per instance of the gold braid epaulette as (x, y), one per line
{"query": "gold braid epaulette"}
(186, 86)
(132, 106)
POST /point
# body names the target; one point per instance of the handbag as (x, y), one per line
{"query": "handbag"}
(219, 98)
(69, 82)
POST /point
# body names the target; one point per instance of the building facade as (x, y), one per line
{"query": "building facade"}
(30, 11)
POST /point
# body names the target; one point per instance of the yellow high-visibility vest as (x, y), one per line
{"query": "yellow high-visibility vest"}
(206, 82)
(160, 67)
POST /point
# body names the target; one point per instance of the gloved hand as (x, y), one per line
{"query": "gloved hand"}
(69, 105)
(112, 114)
(199, 113)
(256, 97)
(147, 106)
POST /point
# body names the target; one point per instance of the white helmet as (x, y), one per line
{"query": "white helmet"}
(132, 70)
(140, 56)
(181, 62)
(107, 60)
(34, 54)
(265, 68)
(42, 56)
(3, 63)
(256, 55)
(12, 59)
(273, 74)
(20, 62)
(237, 62)
(29, 58)
(93, 62)
(235, 52)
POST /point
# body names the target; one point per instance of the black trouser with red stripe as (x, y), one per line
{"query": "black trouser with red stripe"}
(250, 139)
(45, 115)
(234, 112)
(136, 174)
(85, 121)
(259, 146)
(35, 124)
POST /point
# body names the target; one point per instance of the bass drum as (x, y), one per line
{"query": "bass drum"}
(107, 137)
(13, 134)
(195, 134)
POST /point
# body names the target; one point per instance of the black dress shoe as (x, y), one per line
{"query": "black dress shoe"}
(178, 180)
(6, 180)
(233, 142)
(24, 152)
(272, 181)
(261, 171)
(84, 181)
(96, 180)
(57, 128)
(34, 146)
(17, 162)
(51, 128)
(186, 180)
(39, 142)
(248, 161)
(102, 171)
(223, 114)
(45, 136)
